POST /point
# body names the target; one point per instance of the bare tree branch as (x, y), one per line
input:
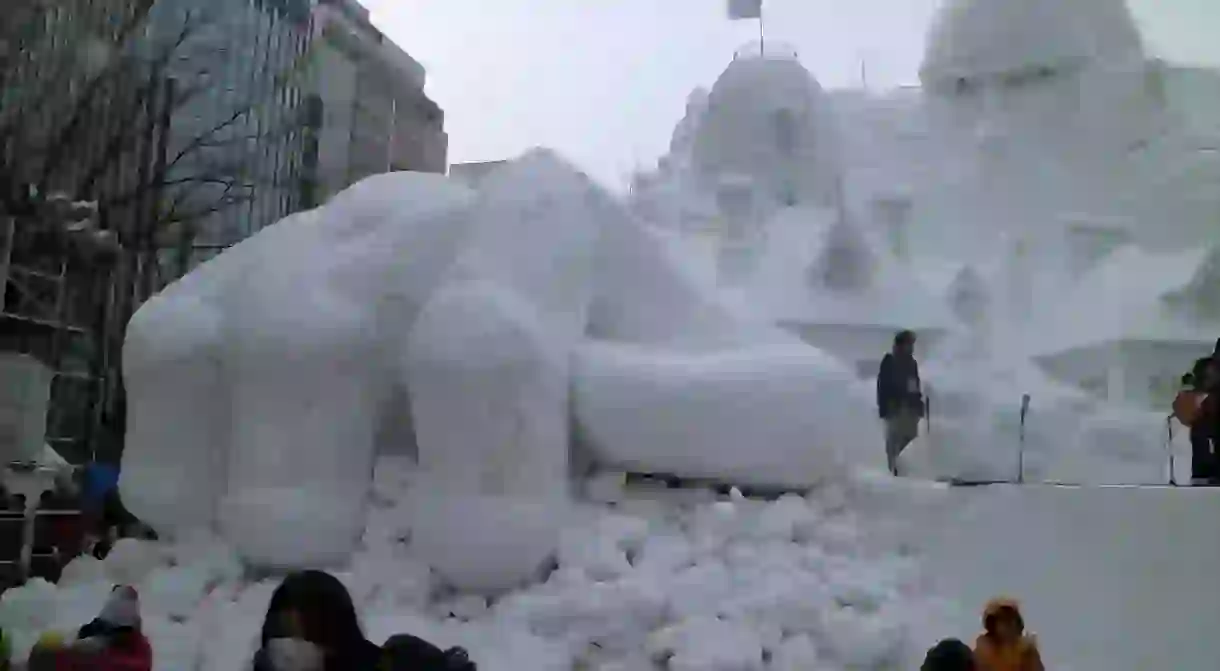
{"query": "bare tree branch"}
(63, 141)
(116, 114)
(51, 83)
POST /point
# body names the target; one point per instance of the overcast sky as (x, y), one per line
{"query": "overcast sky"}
(604, 81)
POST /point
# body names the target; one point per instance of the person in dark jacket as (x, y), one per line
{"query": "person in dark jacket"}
(311, 625)
(1205, 431)
(899, 397)
(1204, 469)
(949, 655)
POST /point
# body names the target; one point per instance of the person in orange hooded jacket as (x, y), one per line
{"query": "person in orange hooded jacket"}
(1004, 645)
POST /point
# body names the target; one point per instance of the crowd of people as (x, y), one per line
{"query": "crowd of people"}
(310, 625)
(1004, 645)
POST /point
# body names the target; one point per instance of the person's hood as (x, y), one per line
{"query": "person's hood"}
(998, 604)
(122, 609)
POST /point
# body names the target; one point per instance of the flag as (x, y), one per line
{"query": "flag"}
(745, 9)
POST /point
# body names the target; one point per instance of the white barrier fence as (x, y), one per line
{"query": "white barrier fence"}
(959, 447)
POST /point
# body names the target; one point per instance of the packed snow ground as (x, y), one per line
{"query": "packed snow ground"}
(827, 581)
(1110, 578)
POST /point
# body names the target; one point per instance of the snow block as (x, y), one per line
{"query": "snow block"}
(772, 415)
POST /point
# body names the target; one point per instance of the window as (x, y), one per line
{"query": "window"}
(785, 132)
(1095, 386)
(844, 264)
(964, 87)
(1030, 77)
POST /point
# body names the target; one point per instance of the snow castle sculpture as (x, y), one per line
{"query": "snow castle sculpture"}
(257, 382)
(1060, 115)
(760, 141)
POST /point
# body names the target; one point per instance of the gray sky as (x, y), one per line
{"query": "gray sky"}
(604, 81)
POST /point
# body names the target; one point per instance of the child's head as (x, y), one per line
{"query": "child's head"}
(949, 655)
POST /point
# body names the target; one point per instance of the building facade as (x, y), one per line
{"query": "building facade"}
(368, 112)
(80, 121)
(235, 157)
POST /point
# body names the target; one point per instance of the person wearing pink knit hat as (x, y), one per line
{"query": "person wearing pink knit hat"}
(114, 641)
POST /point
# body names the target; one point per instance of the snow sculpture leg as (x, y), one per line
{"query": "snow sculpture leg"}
(304, 406)
(176, 412)
(487, 366)
(489, 404)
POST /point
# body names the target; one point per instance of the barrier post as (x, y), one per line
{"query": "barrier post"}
(1021, 440)
(1173, 476)
(927, 409)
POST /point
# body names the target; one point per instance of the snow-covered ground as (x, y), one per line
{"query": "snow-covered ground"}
(864, 574)
(1109, 577)
(827, 581)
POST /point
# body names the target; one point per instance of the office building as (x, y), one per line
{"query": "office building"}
(368, 110)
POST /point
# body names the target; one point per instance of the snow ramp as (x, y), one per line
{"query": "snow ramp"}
(1111, 578)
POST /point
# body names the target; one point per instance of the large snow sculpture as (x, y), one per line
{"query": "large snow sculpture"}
(767, 119)
(256, 383)
(761, 141)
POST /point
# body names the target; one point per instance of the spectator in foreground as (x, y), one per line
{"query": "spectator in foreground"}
(1208, 420)
(115, 640)
(949, 655)
(899, 397)
(311, 625)
(1004, 645)
(48, 653)
(1188, 409)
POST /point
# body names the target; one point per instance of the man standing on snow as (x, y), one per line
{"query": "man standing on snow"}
(899, 397)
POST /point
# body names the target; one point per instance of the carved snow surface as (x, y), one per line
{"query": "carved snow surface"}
(260, 384)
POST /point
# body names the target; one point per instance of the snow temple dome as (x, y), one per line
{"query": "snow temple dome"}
(980, 38)
(767, 119)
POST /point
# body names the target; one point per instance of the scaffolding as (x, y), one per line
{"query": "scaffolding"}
(45, 313)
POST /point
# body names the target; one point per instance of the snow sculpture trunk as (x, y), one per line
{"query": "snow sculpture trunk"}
(298, 482)
(177, 412)
(487, 364)
(304, 405)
